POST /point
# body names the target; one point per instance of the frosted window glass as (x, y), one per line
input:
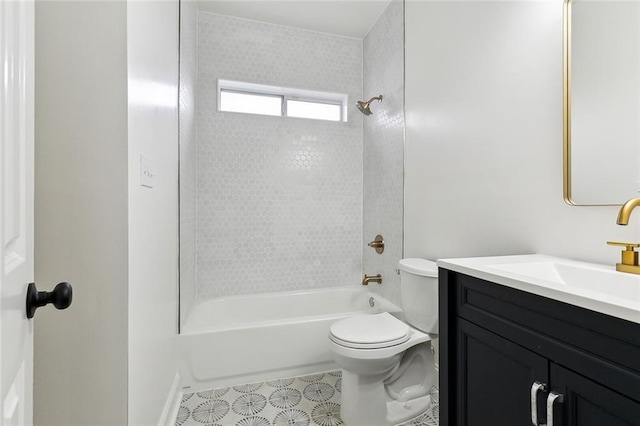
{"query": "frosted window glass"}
(250, 103)
(316, 110)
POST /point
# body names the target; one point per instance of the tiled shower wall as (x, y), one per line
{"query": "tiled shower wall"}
(279, 203)
(187, 102)
(384, 148)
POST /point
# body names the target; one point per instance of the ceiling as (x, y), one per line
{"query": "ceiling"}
(350, 18)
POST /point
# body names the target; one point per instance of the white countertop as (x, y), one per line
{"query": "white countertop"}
(592, 286)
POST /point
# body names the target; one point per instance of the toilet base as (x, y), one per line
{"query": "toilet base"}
(363, 399)
(365, 402)
(387, 385)
(398, 412)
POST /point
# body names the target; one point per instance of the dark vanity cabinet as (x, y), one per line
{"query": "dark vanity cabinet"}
(510, 358)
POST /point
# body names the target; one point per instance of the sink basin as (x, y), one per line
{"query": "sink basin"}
(589, 285)
(581, 276)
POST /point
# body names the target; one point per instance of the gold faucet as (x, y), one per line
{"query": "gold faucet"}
(629, 261)
(625, 211)
(372, 278)
(629, 257)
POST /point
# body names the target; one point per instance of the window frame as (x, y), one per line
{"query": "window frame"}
(285, 94)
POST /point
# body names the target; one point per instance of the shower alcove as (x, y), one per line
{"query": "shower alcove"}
(276, 212)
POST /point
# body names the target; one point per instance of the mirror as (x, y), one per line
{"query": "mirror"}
(601, 101)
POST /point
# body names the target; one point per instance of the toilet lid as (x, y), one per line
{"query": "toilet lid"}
(370, 331)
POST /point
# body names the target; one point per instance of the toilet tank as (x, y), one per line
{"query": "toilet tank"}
(419, 291)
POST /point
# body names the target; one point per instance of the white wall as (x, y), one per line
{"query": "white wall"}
(483, 153)
(152, 54)
(106, 91)
(81, 212)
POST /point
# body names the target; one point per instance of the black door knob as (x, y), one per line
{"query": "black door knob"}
(61, 297)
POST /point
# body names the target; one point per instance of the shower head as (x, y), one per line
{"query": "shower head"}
(365, 107)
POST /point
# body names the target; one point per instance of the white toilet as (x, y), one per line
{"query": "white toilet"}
(387, 365)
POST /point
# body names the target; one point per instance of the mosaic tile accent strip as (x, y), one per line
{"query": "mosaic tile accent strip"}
(270, 188)
(312, 400)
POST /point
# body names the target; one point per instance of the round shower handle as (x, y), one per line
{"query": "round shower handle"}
(378, 244)
(61, 297)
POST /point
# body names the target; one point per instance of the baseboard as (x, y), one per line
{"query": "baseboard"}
(172, 405)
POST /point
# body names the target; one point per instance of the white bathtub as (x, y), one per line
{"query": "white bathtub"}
(243, 339)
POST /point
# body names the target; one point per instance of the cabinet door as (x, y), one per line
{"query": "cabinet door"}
(587, 403)
(494, 379)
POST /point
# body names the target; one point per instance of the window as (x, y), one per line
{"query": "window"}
(252, 103)
(235, 96)
(314, 109)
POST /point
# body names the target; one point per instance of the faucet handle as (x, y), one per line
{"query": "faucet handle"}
(629, 246)
(378, 244)
(629, 255)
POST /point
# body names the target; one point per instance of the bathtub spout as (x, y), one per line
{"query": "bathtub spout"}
(371, 278)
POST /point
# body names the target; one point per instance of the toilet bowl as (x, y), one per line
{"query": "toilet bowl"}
(387, 365)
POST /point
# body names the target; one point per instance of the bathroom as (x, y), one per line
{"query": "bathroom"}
(482, 175)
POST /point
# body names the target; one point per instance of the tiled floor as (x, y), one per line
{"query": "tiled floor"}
(307, 400)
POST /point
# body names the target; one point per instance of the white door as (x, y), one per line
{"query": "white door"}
(16, 209)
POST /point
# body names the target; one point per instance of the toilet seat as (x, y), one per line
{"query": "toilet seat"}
(370, 332)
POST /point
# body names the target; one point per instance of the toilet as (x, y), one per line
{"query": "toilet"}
(387, 365)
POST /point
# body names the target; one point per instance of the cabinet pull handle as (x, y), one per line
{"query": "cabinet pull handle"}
(535, 388)
(551, 399)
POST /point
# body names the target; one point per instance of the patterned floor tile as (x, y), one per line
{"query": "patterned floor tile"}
(432, 416)
(312, 400)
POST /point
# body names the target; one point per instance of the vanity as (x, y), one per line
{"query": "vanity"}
(535, 340)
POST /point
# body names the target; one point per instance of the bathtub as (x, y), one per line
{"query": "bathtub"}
(243, 339)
